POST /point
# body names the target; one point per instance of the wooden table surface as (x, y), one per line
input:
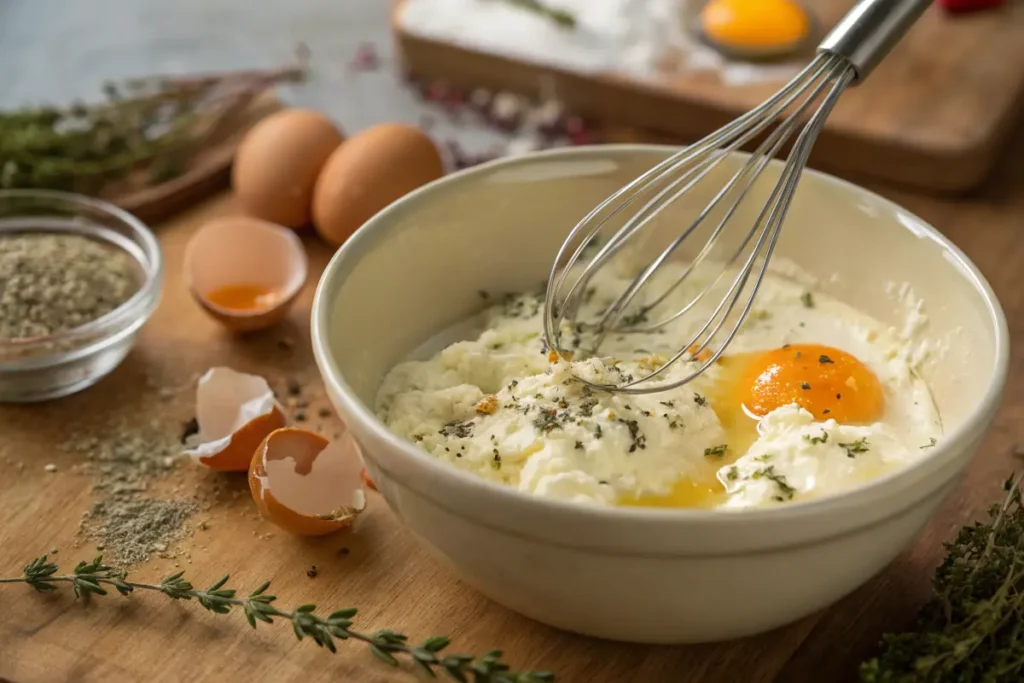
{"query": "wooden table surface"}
(384, 573)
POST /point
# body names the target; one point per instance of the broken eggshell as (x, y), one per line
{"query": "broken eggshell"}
(306, 484)
(235, 412)
(246, 252)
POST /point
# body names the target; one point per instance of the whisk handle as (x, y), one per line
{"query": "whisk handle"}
(868, 31)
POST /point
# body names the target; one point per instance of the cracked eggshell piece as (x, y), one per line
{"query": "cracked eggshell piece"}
(235, 412)
(306, 484)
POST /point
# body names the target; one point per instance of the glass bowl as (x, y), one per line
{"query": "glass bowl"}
(46, 367)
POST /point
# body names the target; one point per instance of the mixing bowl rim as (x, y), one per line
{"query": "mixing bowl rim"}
(952, 446)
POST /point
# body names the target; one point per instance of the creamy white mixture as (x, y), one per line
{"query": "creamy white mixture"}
(500, 407)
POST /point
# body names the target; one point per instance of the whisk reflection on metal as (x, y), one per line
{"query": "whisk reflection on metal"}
(845, 57)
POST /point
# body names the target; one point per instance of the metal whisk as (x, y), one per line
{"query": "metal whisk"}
(845, 58)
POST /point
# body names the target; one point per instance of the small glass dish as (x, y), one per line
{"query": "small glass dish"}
(63, 363)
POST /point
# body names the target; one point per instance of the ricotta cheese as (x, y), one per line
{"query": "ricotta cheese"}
(506, 409)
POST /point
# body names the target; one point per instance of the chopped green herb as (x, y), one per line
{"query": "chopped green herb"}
(855, 447)
(716, 451)
(587, 407)
(817, 439)
(637, 437)
(807, 299)
(634, 319)
(785, 490)
(733, 473)
(548, 420)
(824, 359)
(931, 443)
(700, 400)
(462, 429)
(805, 386)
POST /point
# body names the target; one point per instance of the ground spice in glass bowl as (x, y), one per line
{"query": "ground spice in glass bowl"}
(78, 278)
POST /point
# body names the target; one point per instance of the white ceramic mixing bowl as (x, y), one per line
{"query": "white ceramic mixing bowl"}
(647, 575)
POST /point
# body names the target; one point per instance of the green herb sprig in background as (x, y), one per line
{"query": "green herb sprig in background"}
(144, 132)
(559, 16)
(972, 628)
(93, 578)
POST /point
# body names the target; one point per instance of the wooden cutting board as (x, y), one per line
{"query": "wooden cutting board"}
(935, 115)
(380, 568)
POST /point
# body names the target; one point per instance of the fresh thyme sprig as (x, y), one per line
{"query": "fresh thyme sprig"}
(144, 132)
(972, 628)
(91, 578)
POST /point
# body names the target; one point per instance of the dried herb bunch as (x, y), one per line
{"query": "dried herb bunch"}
(93, 578)
(972, 629)
(146, 130)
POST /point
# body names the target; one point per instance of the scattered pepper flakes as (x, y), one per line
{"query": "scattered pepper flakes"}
(312, 572)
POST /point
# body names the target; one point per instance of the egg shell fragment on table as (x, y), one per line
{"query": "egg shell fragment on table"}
(371, 170)
(235, 412)
(239, 250)
(277, 164)
(305, 484)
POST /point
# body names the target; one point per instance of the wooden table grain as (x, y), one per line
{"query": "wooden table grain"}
(384, 572)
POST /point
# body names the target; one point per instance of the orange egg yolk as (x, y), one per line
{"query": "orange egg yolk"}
(825, 381)
(758, 24)
(242, 297)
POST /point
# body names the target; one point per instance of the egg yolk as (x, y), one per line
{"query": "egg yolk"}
(755, 23)
(825, 381)
(242, 297)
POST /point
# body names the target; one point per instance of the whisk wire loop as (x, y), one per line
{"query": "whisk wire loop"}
(821, 82)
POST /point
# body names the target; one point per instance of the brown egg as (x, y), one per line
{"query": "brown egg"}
(368, 172)
(278, 162)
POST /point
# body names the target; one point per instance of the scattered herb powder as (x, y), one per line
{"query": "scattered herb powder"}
(52, 282)
(126, 518)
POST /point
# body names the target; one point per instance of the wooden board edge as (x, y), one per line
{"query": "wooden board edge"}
(620, 102)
